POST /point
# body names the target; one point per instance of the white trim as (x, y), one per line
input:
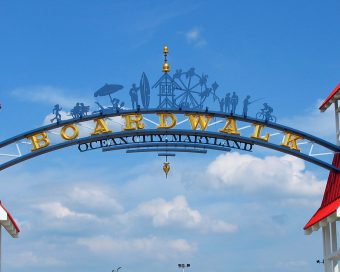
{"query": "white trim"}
(308, 231)
(7, 223)
(3, 214)
(316, 227)
(329, 219)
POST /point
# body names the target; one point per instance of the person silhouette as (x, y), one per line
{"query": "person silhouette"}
(221, 101)
(227, 103)
(115, 103)
(267, 111)
(134, 96)
(56, 111)
(246, 103)
(234, 102)
(84, 109)
(77, 111)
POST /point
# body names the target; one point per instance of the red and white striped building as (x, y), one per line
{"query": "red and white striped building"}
(328, 214)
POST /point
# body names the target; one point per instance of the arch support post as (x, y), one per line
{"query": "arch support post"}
(331, 253)
(326, 247)
(335, 264)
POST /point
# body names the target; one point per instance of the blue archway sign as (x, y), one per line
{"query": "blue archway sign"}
(181, 121)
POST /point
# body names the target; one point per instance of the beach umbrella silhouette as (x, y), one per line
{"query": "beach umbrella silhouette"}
(108, 89)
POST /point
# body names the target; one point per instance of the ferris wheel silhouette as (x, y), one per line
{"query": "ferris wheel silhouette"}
(193, 89)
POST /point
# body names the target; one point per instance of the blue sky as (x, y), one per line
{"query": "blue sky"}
(97, 211)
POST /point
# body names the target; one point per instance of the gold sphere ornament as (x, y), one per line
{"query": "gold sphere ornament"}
(166, 67)
(166, 168)
(165, 50)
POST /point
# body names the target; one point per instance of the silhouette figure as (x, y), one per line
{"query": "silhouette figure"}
(134, 96)
(266, 114)
(76, 111)
(117, 104)
(267, 111)
(84, 109)
(56, 111)
(79, 110)
(221, 101)
(227, 103)
(246, 103)
(234, 102)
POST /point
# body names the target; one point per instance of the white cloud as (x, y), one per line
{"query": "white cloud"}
(257, 220)
(302, 202)
(152, 247)
(194, 36)
(320, 124)
(48, 95)
(285, 175)
(178, 213)
(30, 259)
(58, 211)
(220, 226)
(92, 196)
(293, 265)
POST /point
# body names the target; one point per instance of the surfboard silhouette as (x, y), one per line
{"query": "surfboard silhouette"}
(145, 90)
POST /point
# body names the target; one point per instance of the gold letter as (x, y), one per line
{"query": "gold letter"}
(101, 127)
(230, 127)
(39, 140)
(162, 120)
(135, 123)
(74, 135)
(257, 133)
(290, 141)
(196, 119)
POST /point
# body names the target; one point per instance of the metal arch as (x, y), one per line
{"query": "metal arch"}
(283, 128)
(169, 132)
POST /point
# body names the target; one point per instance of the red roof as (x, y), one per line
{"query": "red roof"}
(331, 197)
(10, 218)
(330, 99)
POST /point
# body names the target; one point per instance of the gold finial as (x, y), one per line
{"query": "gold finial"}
(165, 50)
(166, 66)
(166, 168)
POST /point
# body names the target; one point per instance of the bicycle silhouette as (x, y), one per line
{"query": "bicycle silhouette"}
(265, 116)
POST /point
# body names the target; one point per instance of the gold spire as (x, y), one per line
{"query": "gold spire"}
(166, 66)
